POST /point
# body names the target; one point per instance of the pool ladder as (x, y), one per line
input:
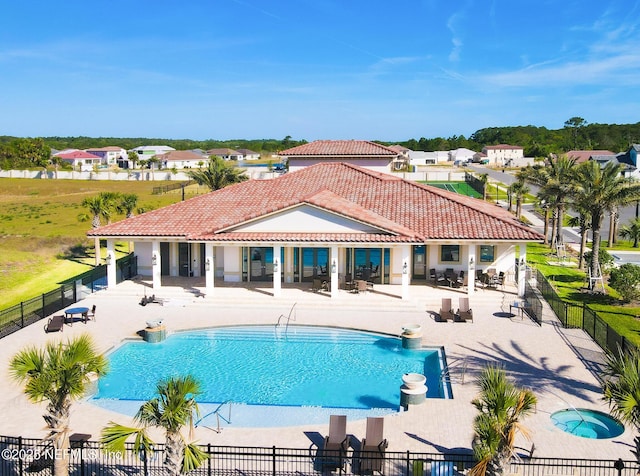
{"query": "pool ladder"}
(457, 365)
(290, 317)
(216, 412)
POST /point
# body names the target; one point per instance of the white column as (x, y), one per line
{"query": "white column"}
(471, 270)
(111, 265)
(209, 269)
(334, 266)
(406, 270)
(277, 271)
(522, 268)
(156, 269)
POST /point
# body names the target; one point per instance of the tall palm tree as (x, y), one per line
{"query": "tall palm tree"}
(217, 174)
(621, 388)
(501, 406)
(556, 180)
(631, 231)
(174, 408)
(96, 206)
(58, 374)
(601, 189)
(484, 178)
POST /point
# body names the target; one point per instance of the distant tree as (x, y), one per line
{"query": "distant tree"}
(133, 157)
(217, 174)
(575, 125)
(127, 203)
(484, 178)
(100, 207)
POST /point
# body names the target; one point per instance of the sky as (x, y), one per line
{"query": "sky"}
(314, 69)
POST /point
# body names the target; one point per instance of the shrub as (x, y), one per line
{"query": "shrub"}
(626, 281)
(604, 257)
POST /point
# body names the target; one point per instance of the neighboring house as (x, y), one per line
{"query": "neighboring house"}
(80, 160)
(111, 155)
(403, 160)
(225, 154)
(181, 159)
(358, 152)
(461, 154)
(628, 159)
(324, 221)
(503, 155)
(583, 155)
(419, 158)
(248, 154)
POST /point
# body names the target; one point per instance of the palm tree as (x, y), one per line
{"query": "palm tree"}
(133, 158)
(631, 231)
(58, 374)
(173, 408)
(217, 174)
(556, 180)
(601, 189)
(484, 178)
(128, 203)
(621, 388)
(501, 405)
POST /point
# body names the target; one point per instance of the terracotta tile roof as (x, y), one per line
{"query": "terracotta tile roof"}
(584, 155)
(181, 155)
(340, 148)
(78, 154)
(401, 210)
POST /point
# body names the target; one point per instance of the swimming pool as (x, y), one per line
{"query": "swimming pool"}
(259, 366)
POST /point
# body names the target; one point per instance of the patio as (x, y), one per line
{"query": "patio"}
(548, 359)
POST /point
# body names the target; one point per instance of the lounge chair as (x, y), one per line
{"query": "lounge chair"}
(334, 451)
(464, 311)
(446, 314)
(55, 324)
(373, 447)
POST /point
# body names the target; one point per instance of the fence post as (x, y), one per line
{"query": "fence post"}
(273, 460)
(408, 463)
(43, 305)
(209, 459)
(619, 465)
(20, 468)
(21, 313)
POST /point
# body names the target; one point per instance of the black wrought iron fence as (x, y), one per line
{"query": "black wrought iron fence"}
(475, 183)
(581, 317)
(70, 291)
(22, 456)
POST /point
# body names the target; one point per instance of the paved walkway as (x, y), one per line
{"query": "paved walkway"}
(537, 357)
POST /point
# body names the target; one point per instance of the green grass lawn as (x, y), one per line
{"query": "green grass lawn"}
(569, 283)
(42, 242)
(462, 188)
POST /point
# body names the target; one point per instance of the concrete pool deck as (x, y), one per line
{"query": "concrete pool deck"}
(557, 364)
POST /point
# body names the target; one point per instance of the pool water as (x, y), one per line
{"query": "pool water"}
(587, 423)
(257, 365)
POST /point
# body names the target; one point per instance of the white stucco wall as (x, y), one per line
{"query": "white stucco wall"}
(232, 264)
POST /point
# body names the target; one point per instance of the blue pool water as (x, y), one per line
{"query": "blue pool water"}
(587, 423)
(256, 365)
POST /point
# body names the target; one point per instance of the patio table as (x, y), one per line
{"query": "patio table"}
(72, 311)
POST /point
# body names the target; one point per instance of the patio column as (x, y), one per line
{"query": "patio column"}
(405, 251)
(277, 272)
(209, 269)
(522, 269)
(111, 265)
(156, 269)
(471, 271)
(333, 267)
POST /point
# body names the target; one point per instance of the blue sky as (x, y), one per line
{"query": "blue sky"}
(314, 69)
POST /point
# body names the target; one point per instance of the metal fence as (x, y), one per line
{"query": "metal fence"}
(475, 183)
(22, 456)
(70, 291)
(174, 186)
(581, 317)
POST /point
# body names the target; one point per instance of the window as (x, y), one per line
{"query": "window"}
(487, 253)
(450, 253)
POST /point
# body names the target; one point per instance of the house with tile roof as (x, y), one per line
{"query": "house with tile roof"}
(329, 221)
(111, 155)
(225, 153)
(80, 160)
(584, 155)
(502, 155)
(181, 159)
(362, 153)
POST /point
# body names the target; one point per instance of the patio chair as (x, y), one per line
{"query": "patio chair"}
(374, 445)
(317, 285)
(336, 443)
(361, 286)
(92, 313)
(446, 314)
(433, 276)
(464, 313)
(55, 324)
